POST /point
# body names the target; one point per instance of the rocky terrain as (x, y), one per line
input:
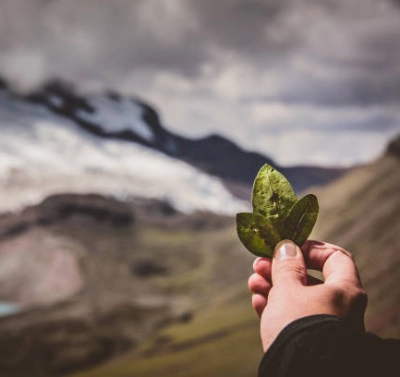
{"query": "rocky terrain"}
(92, 277)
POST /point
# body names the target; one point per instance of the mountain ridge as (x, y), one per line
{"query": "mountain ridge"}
(42, 153)
(213, 154)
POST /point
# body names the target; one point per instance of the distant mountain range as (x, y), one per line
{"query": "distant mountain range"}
(43, 152)
(110, 120)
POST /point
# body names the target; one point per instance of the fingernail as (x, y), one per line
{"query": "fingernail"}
(285, 250)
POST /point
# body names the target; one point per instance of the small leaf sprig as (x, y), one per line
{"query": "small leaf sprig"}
(277, 214)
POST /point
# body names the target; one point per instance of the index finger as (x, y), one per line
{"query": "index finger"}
(336, 263)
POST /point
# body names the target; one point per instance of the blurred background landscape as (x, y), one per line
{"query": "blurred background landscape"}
(130, 135)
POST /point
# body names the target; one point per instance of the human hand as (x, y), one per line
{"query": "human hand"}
(282, 291)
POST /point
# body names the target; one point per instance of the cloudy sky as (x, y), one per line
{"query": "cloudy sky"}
(303, 81)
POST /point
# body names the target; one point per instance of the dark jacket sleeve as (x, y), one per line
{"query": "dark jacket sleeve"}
(323, 346)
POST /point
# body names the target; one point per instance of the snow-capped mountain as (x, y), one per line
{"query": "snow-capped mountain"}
(57, 140)
(42, 153)
(113, 116)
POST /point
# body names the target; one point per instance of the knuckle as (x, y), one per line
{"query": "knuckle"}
(257, 283)
(350, 295)
(355, 292)
(295, 271)
(299, 271)
(251, 281)
(360, 296)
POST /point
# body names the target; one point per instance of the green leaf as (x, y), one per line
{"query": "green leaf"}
(301, 220)
(257, 234)
(277, 214)
(273, 196)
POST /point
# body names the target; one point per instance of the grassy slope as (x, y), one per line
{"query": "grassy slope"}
(360, 212)
(211, 344)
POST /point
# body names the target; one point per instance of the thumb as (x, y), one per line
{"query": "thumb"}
(288, 265)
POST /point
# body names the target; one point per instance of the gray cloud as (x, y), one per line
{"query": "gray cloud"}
(243, 26)
(355, 42)
(85, 38)
(218, 60)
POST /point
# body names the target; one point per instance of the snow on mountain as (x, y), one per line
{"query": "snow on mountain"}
(118, 115)
(42, 153)
(113, 116)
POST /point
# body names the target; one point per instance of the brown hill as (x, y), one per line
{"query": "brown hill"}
(95, 277)
(150, 289)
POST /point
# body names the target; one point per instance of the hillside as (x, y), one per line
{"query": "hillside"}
(143, 290)
(225, 331)
(361, 212)
(94, 278)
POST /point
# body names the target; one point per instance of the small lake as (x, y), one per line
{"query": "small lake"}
(8, 308)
